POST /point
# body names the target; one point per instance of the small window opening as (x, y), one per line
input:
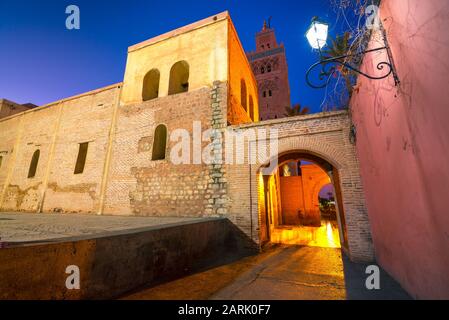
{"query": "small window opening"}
(81, 159)
(33, 164)
(160, 143)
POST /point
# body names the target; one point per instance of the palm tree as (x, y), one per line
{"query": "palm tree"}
(340, 46)
(296, 110)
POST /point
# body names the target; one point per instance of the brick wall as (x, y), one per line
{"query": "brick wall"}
(133, 184)
(325, 135)
(120, 176)
(137, 185)
(291, 199)
(56, 130)
(9, 108)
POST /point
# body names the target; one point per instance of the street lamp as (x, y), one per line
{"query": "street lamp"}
(317, 36)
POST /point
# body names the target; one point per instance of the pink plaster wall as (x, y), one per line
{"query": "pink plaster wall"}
(403, 147)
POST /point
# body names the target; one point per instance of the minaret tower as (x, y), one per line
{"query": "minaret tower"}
(269, 65)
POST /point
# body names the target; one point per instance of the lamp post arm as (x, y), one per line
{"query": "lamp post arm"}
(328, 68)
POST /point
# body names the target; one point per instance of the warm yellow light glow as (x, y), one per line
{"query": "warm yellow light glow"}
(325, 236)
(330, 235)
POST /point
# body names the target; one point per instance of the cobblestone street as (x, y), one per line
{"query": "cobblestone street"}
(281, 272)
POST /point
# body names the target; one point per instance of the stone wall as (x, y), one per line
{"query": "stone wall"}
(241, 71)
(133, 184)
(109, 269)
(139, 186)
(324, 135)
(56, 130)
(9, 108)
(299, 196)
(120, 176)
(203, 45)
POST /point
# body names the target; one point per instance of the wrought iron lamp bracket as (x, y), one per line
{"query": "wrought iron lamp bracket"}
(329, 67)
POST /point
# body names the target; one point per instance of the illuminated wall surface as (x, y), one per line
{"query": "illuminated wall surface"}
(403, 147)
(300, 193)
(293, 208)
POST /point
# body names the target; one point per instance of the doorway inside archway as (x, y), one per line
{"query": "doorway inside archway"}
(300, 203)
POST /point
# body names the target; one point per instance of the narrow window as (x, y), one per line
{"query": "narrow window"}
(251, 108)
(160, 143)
(33, 164)
(262, 70)
(270, 93)
(269, 68)
(243, 94)
(1, 160)
(150, 88)
(179, 78)
(268, 45)
(81, 160)
(264, 94)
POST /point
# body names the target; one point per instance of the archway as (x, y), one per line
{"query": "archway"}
(293, 209)
(179, 78)
(150, 89)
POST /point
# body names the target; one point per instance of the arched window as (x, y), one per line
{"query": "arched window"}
(159, 143)
(179, 78)
(251, 108)
(243, 94)
(150, 88)
(269, 68)
(262, 70)
(264, 94)
(33, 164)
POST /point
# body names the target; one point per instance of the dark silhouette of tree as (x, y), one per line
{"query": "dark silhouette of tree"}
(341, 46)
(296, 110)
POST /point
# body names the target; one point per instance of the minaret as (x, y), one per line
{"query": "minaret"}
(269, 65)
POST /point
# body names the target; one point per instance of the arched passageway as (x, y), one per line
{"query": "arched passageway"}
(320, 139)
(294, 206)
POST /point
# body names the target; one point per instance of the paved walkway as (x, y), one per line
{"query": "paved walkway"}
(28, 227)
(282, 272)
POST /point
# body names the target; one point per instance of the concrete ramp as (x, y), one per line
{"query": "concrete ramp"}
(116, 262)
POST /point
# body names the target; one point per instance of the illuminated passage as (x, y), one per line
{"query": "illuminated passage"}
(299, 203)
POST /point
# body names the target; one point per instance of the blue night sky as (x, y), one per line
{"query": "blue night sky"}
(41, 61)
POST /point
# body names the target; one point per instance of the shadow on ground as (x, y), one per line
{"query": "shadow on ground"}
(355, 278)
(279, 273)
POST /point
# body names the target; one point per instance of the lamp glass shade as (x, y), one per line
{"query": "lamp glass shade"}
(317, 34)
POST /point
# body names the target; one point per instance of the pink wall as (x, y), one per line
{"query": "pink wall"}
(403, 146)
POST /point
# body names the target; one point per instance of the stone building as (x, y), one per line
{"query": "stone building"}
(110, 151)
(269, 65)
(9, 108)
